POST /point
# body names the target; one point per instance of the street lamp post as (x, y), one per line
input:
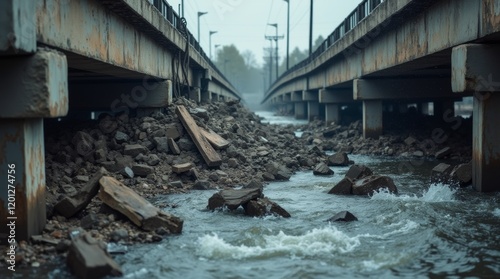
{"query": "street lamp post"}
(200, 14)
(311, 29)
(288, 35)
(210, 42)
(216, 46)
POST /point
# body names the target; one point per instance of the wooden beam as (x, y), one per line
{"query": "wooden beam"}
(214, 139)
(209, 154)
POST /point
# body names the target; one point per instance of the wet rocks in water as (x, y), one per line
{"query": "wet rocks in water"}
(358, 171)
(201, 185)
(322, 169)
(87, 259)
(263, 206)
(338, 159)
(461, 175)
(441, 173)
(136, 208)
(279, 172)
(370, 184)
(343, 216)
(343, 187)
(233, 198)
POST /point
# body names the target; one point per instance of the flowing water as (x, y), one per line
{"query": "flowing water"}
(424, 231)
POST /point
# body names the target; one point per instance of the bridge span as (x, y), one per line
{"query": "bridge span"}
(74, 57)
(397, 52)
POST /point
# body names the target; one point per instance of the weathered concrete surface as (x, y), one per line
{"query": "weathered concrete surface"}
(34, 86)
(336, 96)
(17, 27)
(372, 119)
(22, 150)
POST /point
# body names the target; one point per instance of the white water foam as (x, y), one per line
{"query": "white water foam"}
(435, 193)
(496, 212)
(325, 241)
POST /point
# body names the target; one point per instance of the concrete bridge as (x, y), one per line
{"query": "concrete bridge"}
(75, 57)
(397, 52)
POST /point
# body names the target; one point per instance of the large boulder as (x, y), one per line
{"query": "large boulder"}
(233, 198)
(368, 185)
(322, 169)
(343, 216)
(343, 187)
(441, 173)
(338, 159)
(358, 171)
(264, 206)
(461, 175)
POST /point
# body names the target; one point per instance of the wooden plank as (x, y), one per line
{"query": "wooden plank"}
(209, 154)
(214, 139)
(136, 208)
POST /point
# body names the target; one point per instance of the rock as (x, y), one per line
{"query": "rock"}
(441, 173)
(185, 144)
(152, 159)
(119, 234)
(358, 171)
(89, 221)
(174, 148)
(87, 259)
(63, 246)
(172, 132)
(443, 153)
(368, 185)
(268, 176)
(176, 184)
(214, 177)
(142, 170)
(264, 206)
(461, 175)
(161, 144)
(134, 150)
(81, 178)
(331, 132)
(338, 159)
(283, 174)
(83, 143)
(233, 198)
(322, 169)
(180, 168)
(200, 112)
(232, 163)
(410, 141)
(136, 208)
(69, 206)
(201, 185)
(343, 216)
(121, 137)
(253, 184)
(418, 153)
(128, 172)
(343, 187)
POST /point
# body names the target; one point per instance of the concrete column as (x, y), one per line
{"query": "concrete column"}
(33, 87)
(300, 110)
(403, 108)
(485, 144)
(206, 97)
(474, 68)
(312, 110)
(423, 108)
(332, 113)
(195, 94)
(372, 119)
(289, 108)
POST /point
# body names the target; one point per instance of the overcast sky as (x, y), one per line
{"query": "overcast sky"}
(244, 22)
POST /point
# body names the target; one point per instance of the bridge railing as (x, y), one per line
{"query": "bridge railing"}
(363, 10)
(171, 16)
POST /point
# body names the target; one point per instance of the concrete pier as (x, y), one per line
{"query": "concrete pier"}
(372, 119)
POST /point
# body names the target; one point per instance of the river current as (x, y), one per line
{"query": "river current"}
(424, 231)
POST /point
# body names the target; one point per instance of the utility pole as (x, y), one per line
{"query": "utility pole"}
(276, 38)
(270, 58)
(311, 29)
(210, 42)
(200, 14)
(288, 35)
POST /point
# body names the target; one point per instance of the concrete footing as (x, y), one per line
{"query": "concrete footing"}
(300, 110)
(312, 110)
(332, 113)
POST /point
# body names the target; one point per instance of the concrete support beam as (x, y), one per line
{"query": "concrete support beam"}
(372, 119)
(312, 110)
(121, 96)
(34, 86)
(296, 96)
(17, 27)
(416, 88)
(335, 96)
(485, 144)
(309, 95)
(23, 158)
(475, 67)
(332, 113)
(300, 110)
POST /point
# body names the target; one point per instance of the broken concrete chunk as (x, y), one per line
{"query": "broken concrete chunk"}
(358, 171)
(233, 198)
(368, 185)
(338, 159)
(343, 187)
(322, 169)
(443, 153)
(180, 168)
(263, 206)
(174, 148)
(134, 150)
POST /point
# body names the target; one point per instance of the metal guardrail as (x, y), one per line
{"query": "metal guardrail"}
(363, 10)
(171, 16)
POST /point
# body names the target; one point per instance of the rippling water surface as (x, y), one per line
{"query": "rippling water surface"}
(424, 231)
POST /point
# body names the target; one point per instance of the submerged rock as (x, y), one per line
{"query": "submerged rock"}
(263, 206)
(368, 185)
(358, 171)
(338, 159)
(343, 187)
(233, 198)
(322, 169)
(343, 216)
